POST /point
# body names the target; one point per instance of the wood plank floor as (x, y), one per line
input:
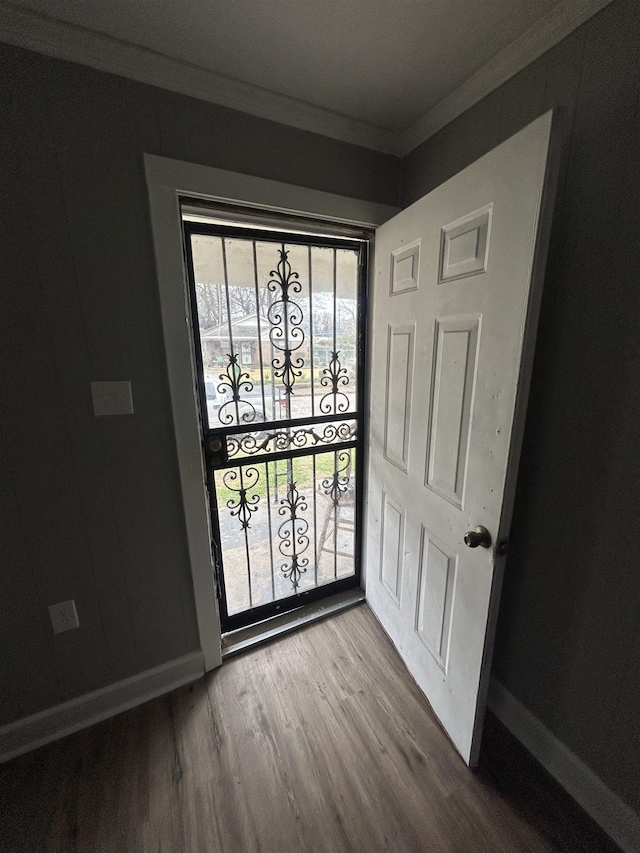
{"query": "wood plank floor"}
(319, 741)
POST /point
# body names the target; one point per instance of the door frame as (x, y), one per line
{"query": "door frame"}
(167, 181)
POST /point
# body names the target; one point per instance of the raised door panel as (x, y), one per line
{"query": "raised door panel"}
(464, 246)
(391, 547)
(436, 591)
(405, 269)
(399, 372)
(454, 369)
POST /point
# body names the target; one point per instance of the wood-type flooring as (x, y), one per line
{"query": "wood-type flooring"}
(318, 741)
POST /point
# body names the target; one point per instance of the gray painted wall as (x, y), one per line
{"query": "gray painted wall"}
(90, 507)
(568, 644)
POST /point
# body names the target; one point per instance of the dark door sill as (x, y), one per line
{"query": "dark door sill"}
(237, 641)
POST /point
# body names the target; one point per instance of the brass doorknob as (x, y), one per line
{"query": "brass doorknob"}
(478, 536)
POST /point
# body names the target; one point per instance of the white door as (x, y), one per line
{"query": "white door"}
(452, 299)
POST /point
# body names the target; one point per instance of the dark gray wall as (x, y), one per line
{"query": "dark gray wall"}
(90, 508)
(568, 642)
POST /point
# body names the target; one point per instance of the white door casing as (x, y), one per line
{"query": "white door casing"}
(452, 306)
(167, 181)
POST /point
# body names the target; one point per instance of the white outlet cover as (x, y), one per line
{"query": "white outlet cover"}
(112, 398)
(64, 616)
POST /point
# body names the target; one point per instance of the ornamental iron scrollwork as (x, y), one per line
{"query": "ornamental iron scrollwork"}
(253, 443)
(339, 482)
(292, 533)
(235, 381)
(334, 377)
(241, 481)
(285, 318)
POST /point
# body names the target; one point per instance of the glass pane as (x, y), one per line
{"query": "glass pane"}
(347, 327)
(278, 329)
(287, 526)
(335, 323)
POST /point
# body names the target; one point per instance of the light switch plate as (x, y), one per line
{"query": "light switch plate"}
(64, 616)
(112, 398)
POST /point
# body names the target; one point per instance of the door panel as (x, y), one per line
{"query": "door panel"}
(397, 421)
(451, 294)
(434, 610)
(454, 370)
(392, 547)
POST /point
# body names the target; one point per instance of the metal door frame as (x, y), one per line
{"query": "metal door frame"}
(361, 241)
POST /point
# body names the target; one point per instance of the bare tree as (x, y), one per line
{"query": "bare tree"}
(208, 300)
(242, 301)
(346, 311)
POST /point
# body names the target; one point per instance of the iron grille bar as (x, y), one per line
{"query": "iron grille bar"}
(272, 371)
(361, 400)
(276, 440)
(335, 325)
(315, 524)
(283, 455)
(259, 343)
(286, 343)
(283, 424)
(247, 550)
(226, 289)
(273, 577)
(335, 519)
(313, 376)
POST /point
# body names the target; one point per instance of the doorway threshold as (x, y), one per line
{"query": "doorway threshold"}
(237, 641)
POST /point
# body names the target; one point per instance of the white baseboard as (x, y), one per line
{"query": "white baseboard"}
(617, 819)
(68, 717)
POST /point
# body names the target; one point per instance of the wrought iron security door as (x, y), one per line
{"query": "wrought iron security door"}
(279, 333)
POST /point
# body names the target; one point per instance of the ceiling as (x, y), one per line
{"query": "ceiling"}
(376, 65)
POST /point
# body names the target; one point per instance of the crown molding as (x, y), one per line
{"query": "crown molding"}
(44, 34)
(544, 34)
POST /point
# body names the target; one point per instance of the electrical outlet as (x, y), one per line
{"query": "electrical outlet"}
(63, 616)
